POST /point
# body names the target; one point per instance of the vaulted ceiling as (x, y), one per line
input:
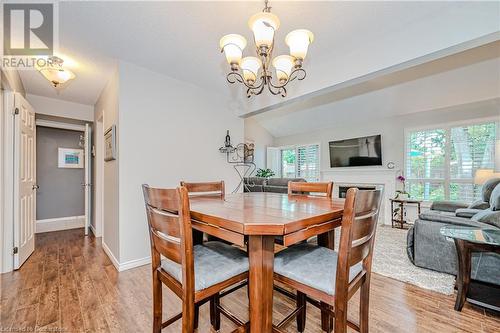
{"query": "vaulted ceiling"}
(180, 39)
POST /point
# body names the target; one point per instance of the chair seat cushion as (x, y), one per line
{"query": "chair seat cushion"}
(214, 262)
(312, 265)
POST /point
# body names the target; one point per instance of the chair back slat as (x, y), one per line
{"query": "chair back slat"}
(363, 228)
(308, 188)
(169, 248)
(359, 253)
(359, 223)
(206, 189)
(165, 222)
(170, 230)
(164, 199)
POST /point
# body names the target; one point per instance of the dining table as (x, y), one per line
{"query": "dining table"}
(255, 220)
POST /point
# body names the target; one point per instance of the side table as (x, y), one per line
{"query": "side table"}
(402, 203)
(468, 240)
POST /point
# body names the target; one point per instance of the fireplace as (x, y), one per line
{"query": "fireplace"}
(343, 189)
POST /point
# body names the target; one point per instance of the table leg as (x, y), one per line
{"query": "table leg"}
(463, 274)
(392, 214)
(261, 257)
(326, 240)
(402, 207)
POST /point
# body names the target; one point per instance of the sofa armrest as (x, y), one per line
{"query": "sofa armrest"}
(448, 206)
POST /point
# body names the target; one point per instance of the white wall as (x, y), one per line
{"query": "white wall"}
(168, 131)
(107, 107)
(59, 108)
(262, 139)
(392, 129)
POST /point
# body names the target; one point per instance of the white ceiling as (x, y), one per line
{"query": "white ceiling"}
(180, 39)
(471, 83)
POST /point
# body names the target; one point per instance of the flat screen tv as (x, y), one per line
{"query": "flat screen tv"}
(363, 151)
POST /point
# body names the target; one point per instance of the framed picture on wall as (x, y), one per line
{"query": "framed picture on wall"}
(70, 158)
(110, 144)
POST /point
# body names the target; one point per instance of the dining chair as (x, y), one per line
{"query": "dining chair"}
(209, 190)
(328, 279)
(303, 188)
(206, 189)
(195, 273)
(325, 188)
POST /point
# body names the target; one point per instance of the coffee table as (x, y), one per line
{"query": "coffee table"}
(469, 240)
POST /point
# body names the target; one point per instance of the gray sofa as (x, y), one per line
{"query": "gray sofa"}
(427, 248)
(274, 185)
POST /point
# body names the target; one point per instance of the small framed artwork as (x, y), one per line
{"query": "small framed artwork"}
(110, 144)
(70, 158)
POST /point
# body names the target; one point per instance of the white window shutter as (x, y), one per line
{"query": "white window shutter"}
(308, 163)
(273, 160)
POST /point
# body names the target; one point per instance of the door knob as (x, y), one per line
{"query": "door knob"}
(35, 187)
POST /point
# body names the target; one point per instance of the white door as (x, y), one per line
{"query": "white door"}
(88, 177)
(25, 180)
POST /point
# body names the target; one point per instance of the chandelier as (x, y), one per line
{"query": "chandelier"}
(255, 72)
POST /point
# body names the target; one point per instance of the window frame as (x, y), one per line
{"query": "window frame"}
(446, 181)
(296, 148)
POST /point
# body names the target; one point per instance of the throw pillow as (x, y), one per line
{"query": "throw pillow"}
(489, 217)
(488, 188)
(495, 198)
(479, 204)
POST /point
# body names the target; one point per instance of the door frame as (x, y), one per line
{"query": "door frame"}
(7, 236)
(78, 128)
(98, 176)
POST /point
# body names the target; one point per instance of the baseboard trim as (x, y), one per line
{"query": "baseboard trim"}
(60, 223)
(111, 256)
(91, 227)
(120, 267)
(134, 263)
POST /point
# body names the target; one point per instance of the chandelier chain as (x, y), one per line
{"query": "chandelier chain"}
(266, 9)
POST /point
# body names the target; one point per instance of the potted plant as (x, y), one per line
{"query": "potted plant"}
(265, 173)
(402, 194)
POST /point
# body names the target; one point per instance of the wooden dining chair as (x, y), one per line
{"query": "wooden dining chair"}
(195, 273)
(206, 189)
(325, 188)
(328, 279)
(303, 188)
(210, 190)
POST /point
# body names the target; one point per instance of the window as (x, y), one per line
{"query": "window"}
(441, 163)
(300, 162)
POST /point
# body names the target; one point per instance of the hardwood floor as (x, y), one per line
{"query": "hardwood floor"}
(70, 285)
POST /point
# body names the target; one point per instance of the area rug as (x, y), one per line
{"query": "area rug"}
(390, 259)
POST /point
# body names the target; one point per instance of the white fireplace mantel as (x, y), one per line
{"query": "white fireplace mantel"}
(366, 176)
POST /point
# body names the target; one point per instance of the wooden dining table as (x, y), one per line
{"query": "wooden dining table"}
(255, 220)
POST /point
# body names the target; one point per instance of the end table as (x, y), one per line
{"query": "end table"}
(468, 240)
(402, 203)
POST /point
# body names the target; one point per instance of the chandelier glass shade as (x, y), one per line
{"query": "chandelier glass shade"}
(255, 72)
(54, 72)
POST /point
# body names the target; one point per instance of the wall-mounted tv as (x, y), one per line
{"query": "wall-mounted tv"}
(363, 151)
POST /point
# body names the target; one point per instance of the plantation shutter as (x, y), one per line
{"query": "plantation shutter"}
(441, 163)
(472, 148)
(425, 164)
(308, 163)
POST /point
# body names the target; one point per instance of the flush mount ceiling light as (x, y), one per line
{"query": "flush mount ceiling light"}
(55, 73)
(255, 72)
